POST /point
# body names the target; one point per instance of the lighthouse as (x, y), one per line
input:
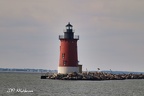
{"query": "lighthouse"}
(68, 59)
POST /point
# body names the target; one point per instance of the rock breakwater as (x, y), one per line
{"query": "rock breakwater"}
(91, 76)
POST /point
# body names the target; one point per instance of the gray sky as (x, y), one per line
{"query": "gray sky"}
(111, 33)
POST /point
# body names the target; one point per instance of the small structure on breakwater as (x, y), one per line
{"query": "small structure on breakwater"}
(91, 76)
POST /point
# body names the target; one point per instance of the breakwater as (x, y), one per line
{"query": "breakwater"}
(91, 76)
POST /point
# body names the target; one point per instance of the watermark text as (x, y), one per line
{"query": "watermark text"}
(19, 90)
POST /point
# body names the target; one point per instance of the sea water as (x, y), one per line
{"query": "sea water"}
(30, 84)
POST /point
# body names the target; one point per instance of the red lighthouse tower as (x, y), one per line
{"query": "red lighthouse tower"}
(68, 60)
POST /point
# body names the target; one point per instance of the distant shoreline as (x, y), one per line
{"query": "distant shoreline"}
(26, 70)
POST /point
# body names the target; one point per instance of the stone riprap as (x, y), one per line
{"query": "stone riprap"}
(91, 76)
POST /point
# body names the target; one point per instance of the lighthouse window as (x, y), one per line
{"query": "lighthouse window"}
(63, 55)
(64, 62)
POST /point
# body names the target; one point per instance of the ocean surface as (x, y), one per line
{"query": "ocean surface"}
(30, 84)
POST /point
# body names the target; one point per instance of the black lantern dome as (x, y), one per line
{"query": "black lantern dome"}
(68, 33)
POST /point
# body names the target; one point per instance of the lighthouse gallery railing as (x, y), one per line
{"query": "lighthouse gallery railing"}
(63, 37)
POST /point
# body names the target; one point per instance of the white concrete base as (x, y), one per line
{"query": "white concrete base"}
(65, 70)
